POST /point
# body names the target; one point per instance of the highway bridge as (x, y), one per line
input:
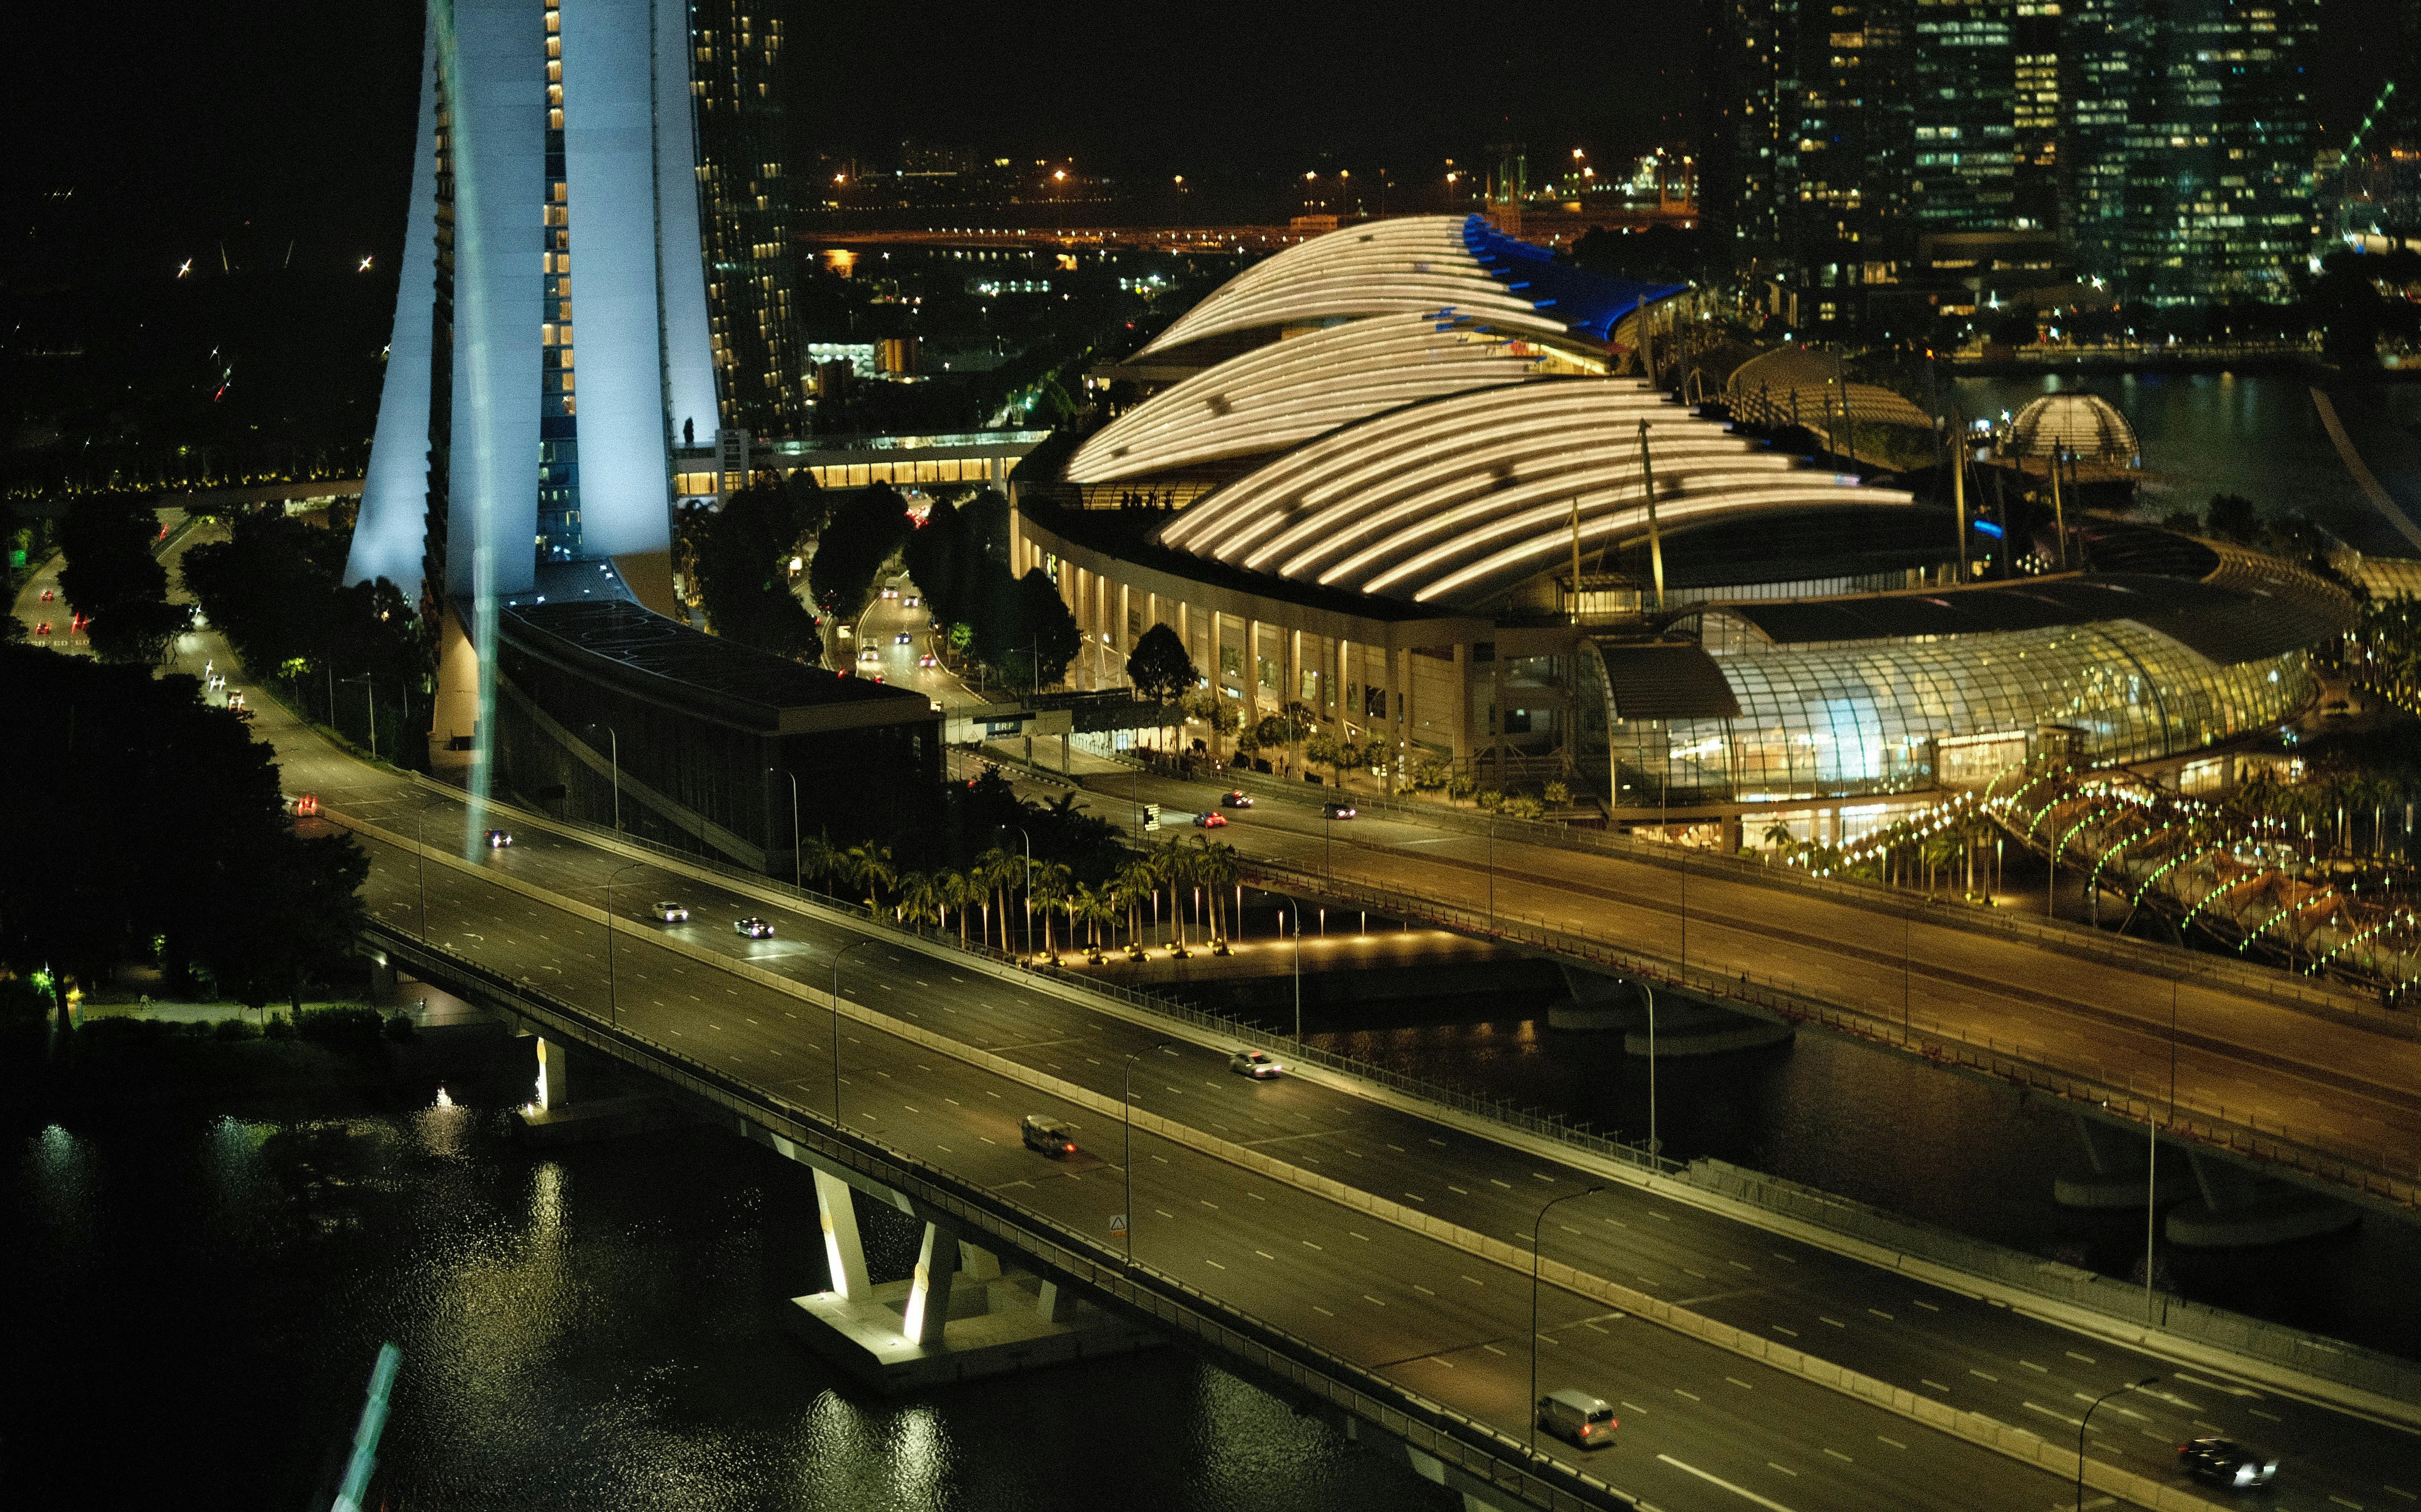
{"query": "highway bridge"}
(2314, 1080)
(1351, 1244)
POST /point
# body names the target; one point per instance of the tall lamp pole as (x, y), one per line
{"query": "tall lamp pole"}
(1655, 1145)
(797, 867)
(1294, 916)
(1029, 890)
(615, 739)
(419, 866)
(2116, 1391)
(836, 1012)
(1126, 1113)
(613, 1008)
(1536, 1226)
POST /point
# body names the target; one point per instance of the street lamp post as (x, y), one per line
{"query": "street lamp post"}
(1655, 1147)
(419, 866)
(836, 1012)
(613, 1008)
(1491, 870)
(1126, 1112)
(616, 740)
(1536, 1225)
(2116, 1391)
(798, 871)
(1294, 916)
(370, 691)
(1029, 889)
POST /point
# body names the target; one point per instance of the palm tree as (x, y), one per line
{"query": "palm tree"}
(961, 890)
(1215, 867)
(818, 858)
(1136, 883)
(868, 865)
(920, 898)
(993, 870)
(1051, 889)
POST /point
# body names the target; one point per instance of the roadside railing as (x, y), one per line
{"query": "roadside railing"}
(1470, 1446)
(2077, 940)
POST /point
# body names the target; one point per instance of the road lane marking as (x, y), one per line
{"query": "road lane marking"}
(2272, 1416)
(1475, 1280)
(1459, 1191)
(1542, 1175)
(1506, 1185)
(1768, 1502)
(2031, 1366)
(1309, 1245)
(1265, 1255)
(1880, 1312)
(1322, 1311)
(2219, 1386)
(2037, 1406)
(1415, 1196)
(2342, 1502)
(1894, 1442)
(1637, 1408)
(1742, 1384)
(1779, 1329)
(1692, 1396)
(1785, 1468)
(1440, 1360)
(1975, 1372)
(1839, 1455)
(1492, 1348)
(1659, 1217)
(1363, 1237)
(1700, 1274)
(1439, 1143)
(2073, 1355)
(2398, 1490)
(1784, 1258)
(1926, 1305)
(1213, 1264)
(1372, 1301)
(1935, 1385)
(1208, 1203)
(1736, 1265)
(1834, 1321)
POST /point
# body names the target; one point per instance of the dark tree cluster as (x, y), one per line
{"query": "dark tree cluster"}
(1160, 668)
(114, 581)
(144, 825)
(741, 556)
(1017, 627)
(275, 589)
(865, 528)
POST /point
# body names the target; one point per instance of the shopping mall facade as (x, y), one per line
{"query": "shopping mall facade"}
(1407, 476)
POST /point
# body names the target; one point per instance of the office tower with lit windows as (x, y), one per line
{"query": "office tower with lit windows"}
(1984, 111)
(551, 337)
(736, 47)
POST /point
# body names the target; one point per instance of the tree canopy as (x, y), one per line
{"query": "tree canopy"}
(865, 527)
(150, 824)
(741, 556)
(113, 580)
(1017, 626)
(1160, 668)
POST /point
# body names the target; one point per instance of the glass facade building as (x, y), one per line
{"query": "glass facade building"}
(745, 196)
(1849, 718)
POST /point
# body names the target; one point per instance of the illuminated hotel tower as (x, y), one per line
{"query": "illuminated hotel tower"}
(555, 190)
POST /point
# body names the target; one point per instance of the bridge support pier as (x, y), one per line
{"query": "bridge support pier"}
(550, 1116)
(1477, 1495)
(2113, 1174)
(554, 1074)
(2241, 1210)
(961, 1315)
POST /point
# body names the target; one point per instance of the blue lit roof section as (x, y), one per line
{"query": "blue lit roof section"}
(1589, 304)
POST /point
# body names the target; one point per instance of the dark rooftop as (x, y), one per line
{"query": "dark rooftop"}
(645, 654)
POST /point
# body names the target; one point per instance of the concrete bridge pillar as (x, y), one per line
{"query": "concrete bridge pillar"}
(977, 1264)
(382, 977)
(554, 1074)
(844, 1255)
(929, 1294)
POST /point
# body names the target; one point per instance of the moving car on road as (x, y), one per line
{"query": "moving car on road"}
(929, 659)
(904, 638)
(2225, 1462)
(1340, 811)
(500, 839)
(1235, 798)
(1570, 1413)
(754, 927)
(668, 913)
(1255, 1064)
(1044, 1133)
(1209, 821)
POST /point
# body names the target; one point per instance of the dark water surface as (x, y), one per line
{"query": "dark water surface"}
(2258, 435)
(1958, 1150)
(194, 1303)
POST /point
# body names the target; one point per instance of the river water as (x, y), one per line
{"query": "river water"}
(197, 1300)
(2257, 435)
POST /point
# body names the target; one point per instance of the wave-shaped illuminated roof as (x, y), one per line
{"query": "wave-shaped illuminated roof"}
(1455, 501)
(1273, 397)
(1430, 265)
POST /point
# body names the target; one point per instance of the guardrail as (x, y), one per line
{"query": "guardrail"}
(2348, 1364)
(2367, 1172)
(2069, 938)
(2324, 1359)
(1469, 1445)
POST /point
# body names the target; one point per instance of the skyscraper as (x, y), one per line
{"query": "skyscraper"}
(548, 135)
(2193, 175)
(2167, 141)
(737, 46)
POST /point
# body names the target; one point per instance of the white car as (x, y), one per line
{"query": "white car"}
(754, 927)
(668, 912)
(1255, 1064)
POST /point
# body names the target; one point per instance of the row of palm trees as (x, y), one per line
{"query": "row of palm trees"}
(1200, 873)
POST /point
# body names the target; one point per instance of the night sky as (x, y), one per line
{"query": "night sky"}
(263, 125)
